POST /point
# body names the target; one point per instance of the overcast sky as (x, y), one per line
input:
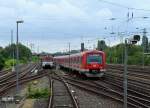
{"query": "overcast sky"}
(51, 24)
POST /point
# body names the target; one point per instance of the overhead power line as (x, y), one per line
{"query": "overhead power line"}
(123, 6)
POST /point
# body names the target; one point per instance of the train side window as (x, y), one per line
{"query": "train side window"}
(70, 60)
(80, 60)
(76, 60)
(73, 60)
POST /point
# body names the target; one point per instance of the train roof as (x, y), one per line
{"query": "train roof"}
(78, 54)
(45, 57)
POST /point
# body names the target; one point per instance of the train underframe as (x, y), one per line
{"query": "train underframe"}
(92, 73)
(86, 72)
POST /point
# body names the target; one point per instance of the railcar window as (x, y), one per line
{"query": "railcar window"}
(95, 58)
(80, 60)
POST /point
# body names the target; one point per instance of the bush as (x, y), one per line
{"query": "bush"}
(24, 52)
(147, 60)
(2, 62)
(38, 93)
(9, 63)
(35, 58)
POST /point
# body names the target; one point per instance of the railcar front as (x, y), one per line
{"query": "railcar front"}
(93, 63)
(47, 62)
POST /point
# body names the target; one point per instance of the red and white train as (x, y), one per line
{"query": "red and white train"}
(47, 61)
(90, 63)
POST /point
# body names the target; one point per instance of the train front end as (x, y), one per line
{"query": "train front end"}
(94, 63)
(47, 62)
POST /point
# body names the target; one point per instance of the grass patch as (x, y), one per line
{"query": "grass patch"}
(37, 93)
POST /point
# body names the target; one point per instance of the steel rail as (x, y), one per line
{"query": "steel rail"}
(75, 103)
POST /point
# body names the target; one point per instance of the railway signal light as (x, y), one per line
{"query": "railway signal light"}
(134, 39)
(82, 47)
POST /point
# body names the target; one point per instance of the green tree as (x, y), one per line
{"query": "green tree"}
(24, 52)
(115, 55)
(2, 62)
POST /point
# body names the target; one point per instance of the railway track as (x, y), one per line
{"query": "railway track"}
(10, 81)
(22, 81)
(113, 89)
(4, 72)
(63, 97)
(89, 87)
(131, 73)
(136, 86)
(137, 77)
(132, 69)
(11, 75)
(138, 82)
(135, 97)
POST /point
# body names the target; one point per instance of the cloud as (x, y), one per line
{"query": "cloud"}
(51, 20)
(104, 13)
(6, 12)
(59, 9)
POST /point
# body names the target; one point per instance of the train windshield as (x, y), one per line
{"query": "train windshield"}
(94, 58)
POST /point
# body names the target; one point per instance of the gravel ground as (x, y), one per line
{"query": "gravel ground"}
(12, 92)
(40, 103)
(88, 100)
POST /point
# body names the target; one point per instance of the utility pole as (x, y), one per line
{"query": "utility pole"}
(110, 59)
(11, 37)
(17, 62)
(144, 45)
(13, 53)
(31, 47)
(122, 46)
(69, 56)
(125, 75)
(38, 52)
(125, 80)
(111, 34)
(11, 42)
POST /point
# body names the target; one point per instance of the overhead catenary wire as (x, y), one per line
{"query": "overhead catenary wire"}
(123, 6)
